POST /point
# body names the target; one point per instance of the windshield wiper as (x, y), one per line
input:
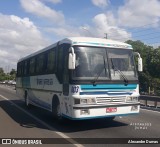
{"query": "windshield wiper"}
(98, 75)
(120, 72)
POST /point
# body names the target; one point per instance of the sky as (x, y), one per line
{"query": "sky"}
(30, 25)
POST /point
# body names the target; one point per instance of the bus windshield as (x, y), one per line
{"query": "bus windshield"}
(121, 63)
(95, 63)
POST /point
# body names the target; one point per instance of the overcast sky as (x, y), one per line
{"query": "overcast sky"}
(29, 25)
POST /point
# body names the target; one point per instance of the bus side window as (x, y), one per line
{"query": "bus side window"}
(19, 69)
(40, 64)
(26, 67)
(60, 63)
(51, 61)
(32, 66)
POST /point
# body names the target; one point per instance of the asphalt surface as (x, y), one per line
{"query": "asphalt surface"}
(16, 121)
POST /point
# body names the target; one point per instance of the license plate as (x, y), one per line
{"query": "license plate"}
(111, 109)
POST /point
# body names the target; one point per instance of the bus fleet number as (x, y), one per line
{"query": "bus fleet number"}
(75, 89)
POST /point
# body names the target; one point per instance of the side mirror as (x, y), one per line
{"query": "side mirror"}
(140, 64)
(72, 59)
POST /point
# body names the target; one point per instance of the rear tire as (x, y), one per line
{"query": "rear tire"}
(26, 100)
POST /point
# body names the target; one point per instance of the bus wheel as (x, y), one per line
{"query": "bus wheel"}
(56, 110)
(26, 100)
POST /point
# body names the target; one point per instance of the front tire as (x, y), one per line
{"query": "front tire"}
(56, 110)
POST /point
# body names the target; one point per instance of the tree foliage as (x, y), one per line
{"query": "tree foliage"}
(7, 76)
(150, 77)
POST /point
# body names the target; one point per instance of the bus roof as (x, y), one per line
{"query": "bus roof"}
(103, 42)
(85, 41)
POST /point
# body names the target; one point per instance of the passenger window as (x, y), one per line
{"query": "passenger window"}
(51, 61)
(32, 66)
(40, 64)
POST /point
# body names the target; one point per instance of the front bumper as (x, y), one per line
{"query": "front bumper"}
(99, 111)
(104, 106)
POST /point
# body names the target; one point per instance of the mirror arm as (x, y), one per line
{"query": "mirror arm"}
(138, 54)
(72, 51)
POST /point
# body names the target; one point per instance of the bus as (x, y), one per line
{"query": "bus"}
(81, 78)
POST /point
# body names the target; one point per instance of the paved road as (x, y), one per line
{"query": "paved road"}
(18, 122)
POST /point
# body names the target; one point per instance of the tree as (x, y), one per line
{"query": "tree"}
(12, 74)
(2, 74)
(153, 65)
(8, 76)
(150, 77)
(1, 70)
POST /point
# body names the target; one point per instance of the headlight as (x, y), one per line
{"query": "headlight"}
(131, 99)
(85, 101)
(128, 99)
(91, 101)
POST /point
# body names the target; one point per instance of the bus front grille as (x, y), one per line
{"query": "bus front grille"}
(104, 100)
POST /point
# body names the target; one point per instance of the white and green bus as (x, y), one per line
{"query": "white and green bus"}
(81, 78)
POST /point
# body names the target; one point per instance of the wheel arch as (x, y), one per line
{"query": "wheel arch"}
(55, 99)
